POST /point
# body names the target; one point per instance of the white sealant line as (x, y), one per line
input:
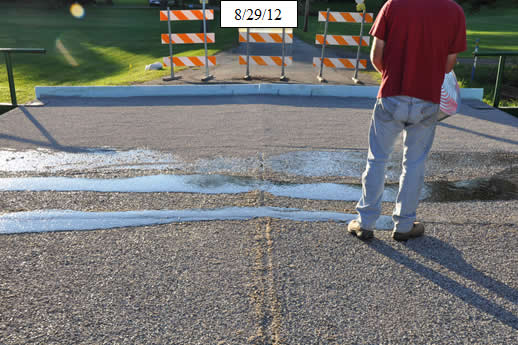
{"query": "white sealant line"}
(203, 184)
(222, 90)
(68, 220)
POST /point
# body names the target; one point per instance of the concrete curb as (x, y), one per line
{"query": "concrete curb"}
(222, 90)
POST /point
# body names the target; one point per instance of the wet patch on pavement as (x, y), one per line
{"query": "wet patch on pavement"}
(49, 161)
(503, 187)
(476, 189)
(326, 166)
(328, 163)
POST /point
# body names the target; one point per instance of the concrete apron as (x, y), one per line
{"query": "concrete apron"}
(43, 92)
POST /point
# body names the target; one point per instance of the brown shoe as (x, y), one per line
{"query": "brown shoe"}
(417, 231)
(354, 228)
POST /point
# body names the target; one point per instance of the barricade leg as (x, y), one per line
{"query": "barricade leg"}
(320, 76)
(172, 77)
(355, 78)
(247, 75)
(283, 75)
(207, 75)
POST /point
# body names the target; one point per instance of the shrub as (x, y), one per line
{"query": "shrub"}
(53, 3)
(475, 5)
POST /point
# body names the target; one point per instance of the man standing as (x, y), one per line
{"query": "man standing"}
(415, 43)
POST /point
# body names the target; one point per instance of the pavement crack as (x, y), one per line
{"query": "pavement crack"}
(275, 306)
(263, 292)
(261, 173)
(258, 290)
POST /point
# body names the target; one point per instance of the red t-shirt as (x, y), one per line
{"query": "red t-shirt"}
(419, 35)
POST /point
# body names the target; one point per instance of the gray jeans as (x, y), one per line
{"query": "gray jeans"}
(417, 119)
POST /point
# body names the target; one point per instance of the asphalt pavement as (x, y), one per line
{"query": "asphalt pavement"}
(263, 280)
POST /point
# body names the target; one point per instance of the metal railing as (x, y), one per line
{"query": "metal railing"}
(9, 66)
(501, 65)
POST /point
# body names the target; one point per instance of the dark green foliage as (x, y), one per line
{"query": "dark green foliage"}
(54, 3)
(475, 5)
(339, 5)
(375, 5)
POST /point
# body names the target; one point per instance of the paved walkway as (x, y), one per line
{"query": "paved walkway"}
(301, 71)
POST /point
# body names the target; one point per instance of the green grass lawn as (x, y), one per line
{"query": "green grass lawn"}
(108, 46)
(485, 77)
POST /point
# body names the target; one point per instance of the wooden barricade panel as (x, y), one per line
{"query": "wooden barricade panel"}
(189, 61)
(345, 17)
(340, 63)
(187, 15)
(195, 38)
(257, 37)
(266, 60)
(342, 40)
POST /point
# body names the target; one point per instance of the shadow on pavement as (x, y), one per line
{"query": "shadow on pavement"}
(451, 258)
(5, 108)
(51, 142)
(509, 141)
(482, 111)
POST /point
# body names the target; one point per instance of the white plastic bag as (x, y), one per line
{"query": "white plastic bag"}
(450, 96)
(154, 66)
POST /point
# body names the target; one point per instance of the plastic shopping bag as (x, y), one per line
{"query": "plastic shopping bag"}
(450, 96)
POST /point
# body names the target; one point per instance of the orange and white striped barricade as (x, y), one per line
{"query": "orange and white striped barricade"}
(342, 40)
(189, 61)
(265, 60)
(188, 38)
(194, 38)
(266, 35)
(186, 15)
(346, 17)
(342, 17)
(340, 62)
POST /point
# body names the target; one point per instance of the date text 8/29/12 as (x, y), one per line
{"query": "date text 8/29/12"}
(259, 14)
